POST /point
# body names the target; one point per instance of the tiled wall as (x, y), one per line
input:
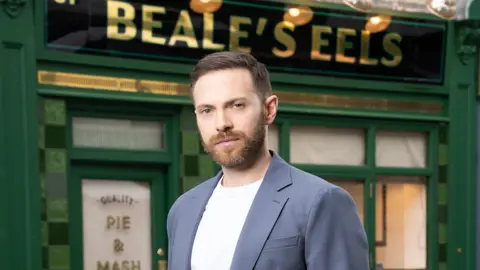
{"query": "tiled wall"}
(53, 178)
(195, 165)
(442, 197)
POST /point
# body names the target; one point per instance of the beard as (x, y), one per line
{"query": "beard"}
(245, 151)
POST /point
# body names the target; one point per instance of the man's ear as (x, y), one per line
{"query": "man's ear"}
(271, 106)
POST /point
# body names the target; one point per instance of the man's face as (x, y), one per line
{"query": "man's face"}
(231, 118)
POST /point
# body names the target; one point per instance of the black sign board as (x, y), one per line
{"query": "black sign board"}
(332, 43)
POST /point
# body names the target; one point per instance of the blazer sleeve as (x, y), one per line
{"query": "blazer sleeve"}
(335, 237)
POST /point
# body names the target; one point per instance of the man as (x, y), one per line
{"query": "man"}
(258, 212)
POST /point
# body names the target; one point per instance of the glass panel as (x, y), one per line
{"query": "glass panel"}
(116, 133)
(401, 149)
(355, 189)
(273, 138)
(404, 244)
(329, 146)
(116, 225)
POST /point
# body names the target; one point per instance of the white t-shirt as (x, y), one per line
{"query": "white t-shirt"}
(220, 226)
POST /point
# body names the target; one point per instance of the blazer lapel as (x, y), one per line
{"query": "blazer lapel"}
(266, 207)
(189, 224)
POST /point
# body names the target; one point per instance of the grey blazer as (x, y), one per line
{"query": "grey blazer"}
(297, 221)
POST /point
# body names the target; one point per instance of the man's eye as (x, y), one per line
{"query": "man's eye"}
(205, 110)
(238, 105)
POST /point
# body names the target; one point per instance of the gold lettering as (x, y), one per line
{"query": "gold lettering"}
(122, 265)
(343, 45)
(149, 24)
(364, 53)
(283, 37)
(104, 266)
(318, 42)
(208, 42)
(184, 24)
(114, 20)
(118, 222)
(393, 49)
(236, 34)
(135, 266)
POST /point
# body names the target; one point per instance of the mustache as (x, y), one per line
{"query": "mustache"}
(225, 136)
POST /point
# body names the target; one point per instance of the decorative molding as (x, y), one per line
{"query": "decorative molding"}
(468, 39)
(13, 7)
(74, 80)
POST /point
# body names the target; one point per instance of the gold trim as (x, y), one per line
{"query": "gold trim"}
(181, 89)
(111, 83)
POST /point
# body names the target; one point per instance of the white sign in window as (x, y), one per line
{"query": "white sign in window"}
(116, 225)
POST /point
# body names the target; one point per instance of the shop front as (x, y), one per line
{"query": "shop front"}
(98, 135)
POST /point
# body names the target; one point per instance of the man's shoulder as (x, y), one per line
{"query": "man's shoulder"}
(193, 192)
(308, 182)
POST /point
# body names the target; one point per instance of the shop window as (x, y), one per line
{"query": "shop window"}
(117, 134)
(404, 231)
(273, 139)
(401, 149)
(116, 220)
(327, 146)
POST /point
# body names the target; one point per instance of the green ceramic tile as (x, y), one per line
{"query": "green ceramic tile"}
(57, 210)
(442, 252)
(190, 143)
(58, 233)
(55, 137)
(41, 160)
(42, 185)
(191, 165)
(40, 110)
(442, 266)
(190, 182)
(442, 194)
(206, 166)
(45, 233)
(41, 137)
(58, 257)
(55, 161)
(442, 174)
(442, 233)
(56, 185)
(442, 155)
(187, 119)
(45, 257)
(43, 209)
(55, 112)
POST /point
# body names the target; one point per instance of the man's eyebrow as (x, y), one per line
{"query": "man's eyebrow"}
(229, 102)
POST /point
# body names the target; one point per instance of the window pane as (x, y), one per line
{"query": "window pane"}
(401, 149)
(273, 138)
(355, 189)
(328, 146)
(116, 133)
(402, 214)
(116, 224)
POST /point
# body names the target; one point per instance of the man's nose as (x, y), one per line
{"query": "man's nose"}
(223, 122)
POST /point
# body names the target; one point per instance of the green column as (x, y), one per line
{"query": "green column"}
(462, 72)
(19, 185)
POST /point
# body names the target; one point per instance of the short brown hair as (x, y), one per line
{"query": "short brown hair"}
(229, 60)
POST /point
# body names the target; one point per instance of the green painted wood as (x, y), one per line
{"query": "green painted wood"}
(20, 225)
(462, 79)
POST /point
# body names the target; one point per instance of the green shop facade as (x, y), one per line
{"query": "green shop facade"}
(98, 134)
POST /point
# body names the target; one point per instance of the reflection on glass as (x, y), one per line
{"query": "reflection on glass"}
(397, 148)
(355, 189)
(117, 134)
(116, 225)
(405, 242)
(327, 145)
